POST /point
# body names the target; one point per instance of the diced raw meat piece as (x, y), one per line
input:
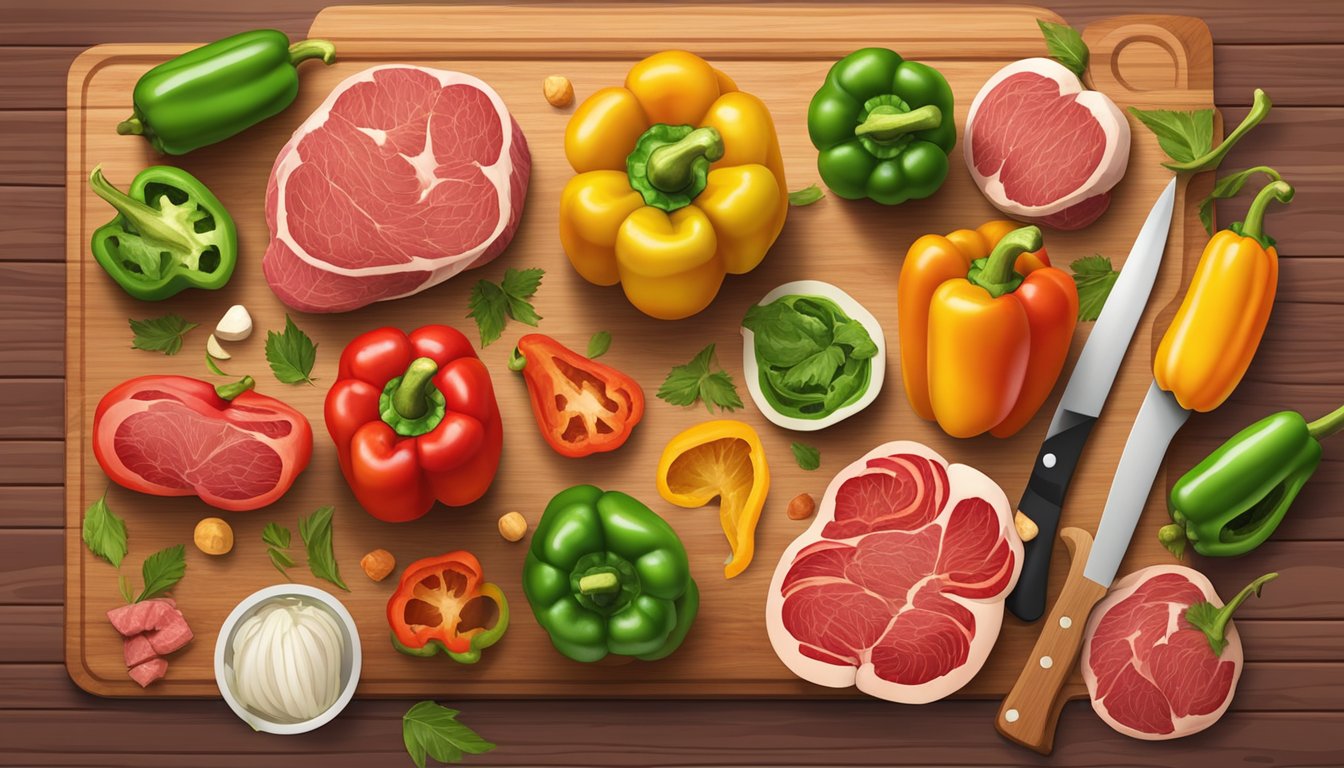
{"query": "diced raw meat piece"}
(171, 636)
(137, 650)
(148, 672)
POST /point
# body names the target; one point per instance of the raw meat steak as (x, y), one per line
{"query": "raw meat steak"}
(897, 588)
(1043, 148)
(1149, 673)
(404, 177)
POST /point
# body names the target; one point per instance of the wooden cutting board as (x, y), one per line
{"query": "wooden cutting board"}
(778, 53)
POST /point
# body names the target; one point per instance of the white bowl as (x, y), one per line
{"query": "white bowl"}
(351, 656)
(856, 311)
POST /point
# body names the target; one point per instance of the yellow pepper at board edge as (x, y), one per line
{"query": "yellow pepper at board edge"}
(1209, 345)
(680, 182)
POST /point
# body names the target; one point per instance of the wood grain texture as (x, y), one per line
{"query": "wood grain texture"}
(830, 240)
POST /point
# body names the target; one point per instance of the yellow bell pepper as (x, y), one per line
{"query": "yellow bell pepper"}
(680, 181)
(1209, 345)
(722, 458)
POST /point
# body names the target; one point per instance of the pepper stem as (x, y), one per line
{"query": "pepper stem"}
(995, 274)
(410, 399)
(311, 49)
(146, 220)
(603, 583)
(1213, 621)
(516, 360)
(131, 126)
(889, 126)
(1328, 424)
(1260, 107)
(1173, 538)
(230, 391)
(1254, 223)
(671, 166)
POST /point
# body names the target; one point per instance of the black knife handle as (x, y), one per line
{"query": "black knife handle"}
(1042, 501)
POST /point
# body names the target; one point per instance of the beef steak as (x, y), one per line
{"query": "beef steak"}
(402, 178)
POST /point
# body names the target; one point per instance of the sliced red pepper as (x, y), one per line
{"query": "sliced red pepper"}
(443, 604)
(581, 406)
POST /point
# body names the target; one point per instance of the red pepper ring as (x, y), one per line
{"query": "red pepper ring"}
(443, 604)
(414, 419)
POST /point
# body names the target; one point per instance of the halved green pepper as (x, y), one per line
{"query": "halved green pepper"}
(171, 233)
(883, 127)
(211, 93)
(604, 574)
(1232, 501)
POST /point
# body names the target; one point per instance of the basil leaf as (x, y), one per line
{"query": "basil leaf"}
(599, 344)
(845, 387)
(806, 196)
(430, 730)
(315, 530)
(162, 570)
(275, 535)
(1094, 277)
(808, 458)
(1184, 136)
(852, 334)
(160, 334)
(104, 533)
(817, 370)
(784, 336)
(291, 354)
(1065, 45)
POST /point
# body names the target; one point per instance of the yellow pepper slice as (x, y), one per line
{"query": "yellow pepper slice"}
(680, 181)
(722, 458)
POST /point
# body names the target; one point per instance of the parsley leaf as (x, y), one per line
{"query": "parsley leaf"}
(430, 730)
(104, 533)
(1065, 45)
(491, 305)
(1095, 277)
(291, 354)
(599, 344)
(694, 381)
(315, 530)
(1184, 136)
(160, 334)
(276, 537)
(805, 196)
(162, 570)
(808, 457)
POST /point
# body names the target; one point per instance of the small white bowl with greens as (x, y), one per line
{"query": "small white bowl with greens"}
(812, 355)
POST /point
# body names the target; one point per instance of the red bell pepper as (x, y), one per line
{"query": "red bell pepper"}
(414, 419)
(177, 436)
(581, 406)
(443, 604)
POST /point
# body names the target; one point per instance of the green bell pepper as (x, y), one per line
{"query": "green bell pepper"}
(218, 90)
(883, 127)
(170, 233)
(604, 574)
(1232, 501)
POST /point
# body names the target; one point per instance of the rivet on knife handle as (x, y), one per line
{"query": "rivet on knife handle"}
(1031, 709)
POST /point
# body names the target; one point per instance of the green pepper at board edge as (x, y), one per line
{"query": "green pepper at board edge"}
(883, 127)
(605, 574)
(170, 233)
(1230, 502)
(218, 90)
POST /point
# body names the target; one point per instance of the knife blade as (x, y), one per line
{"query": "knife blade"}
(1081, 404)
(1030, 711)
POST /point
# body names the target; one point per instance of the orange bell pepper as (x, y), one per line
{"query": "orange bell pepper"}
(1209, 345)
(985, 324)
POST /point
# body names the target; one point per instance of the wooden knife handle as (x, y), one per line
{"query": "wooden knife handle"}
(1030, 711)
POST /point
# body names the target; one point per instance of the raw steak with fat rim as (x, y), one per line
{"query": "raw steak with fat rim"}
(404, 177)
(897, 587)
(1043, 148)
(1149, 673)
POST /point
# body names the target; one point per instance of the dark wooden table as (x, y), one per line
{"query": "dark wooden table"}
(1290, 706)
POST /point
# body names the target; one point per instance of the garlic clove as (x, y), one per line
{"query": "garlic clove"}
(235, 325)
(216, 351)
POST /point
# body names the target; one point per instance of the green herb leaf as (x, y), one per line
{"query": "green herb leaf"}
(1184, 136)
(808, 458)
(430, 730)
(852, 334)
(160, 334)
(124, 586)
(1229, 186)
(315, 530)
(1095, 277)
(695, 381)
(162, 570)
(276, 537)
(599, 344)
(213, 366)
(280, 560)
(291, 354)
(1065, 45)
(816, 370)
(806, 196)
(491, 304)
(104, 533)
